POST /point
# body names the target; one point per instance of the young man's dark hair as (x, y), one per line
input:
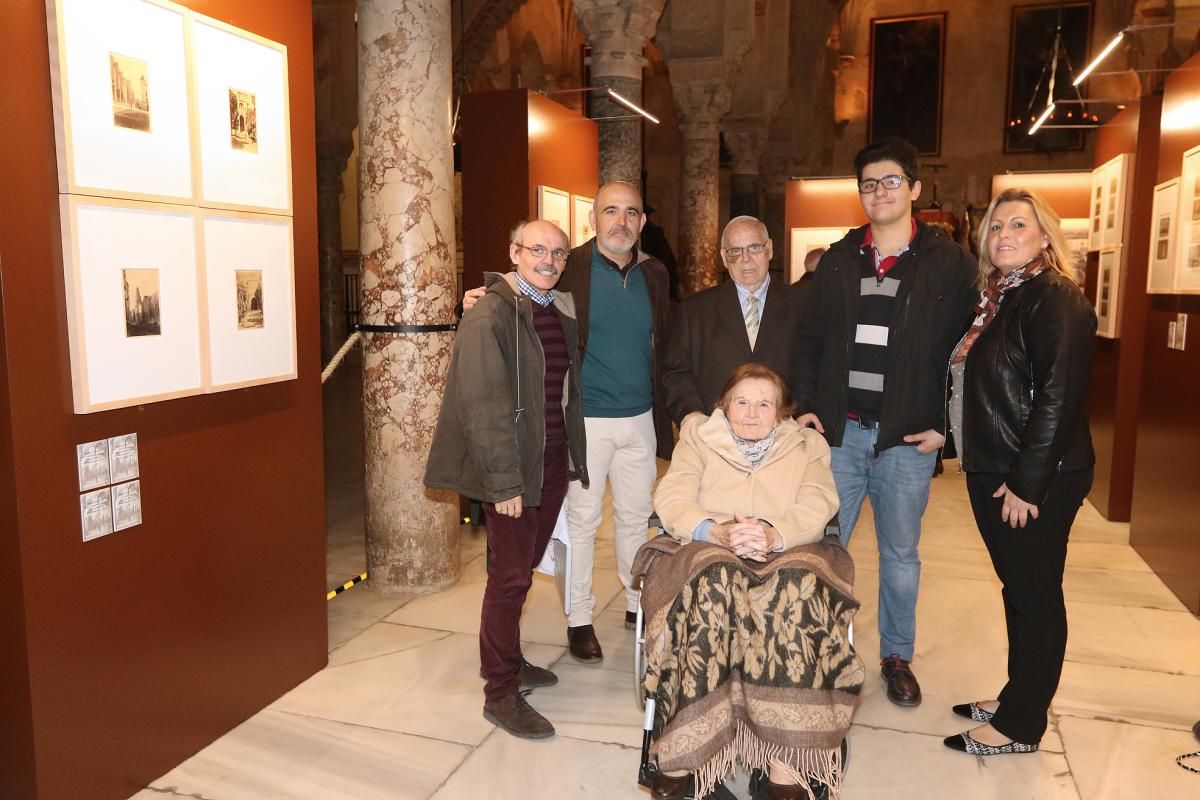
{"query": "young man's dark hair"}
(897, 150)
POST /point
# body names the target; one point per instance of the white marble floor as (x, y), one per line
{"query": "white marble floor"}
(396, 714)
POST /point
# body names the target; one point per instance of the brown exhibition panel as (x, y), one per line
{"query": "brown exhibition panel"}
(503, 163)
(823, 203)
(1066, 192)
(126, 654)
(1115, 388)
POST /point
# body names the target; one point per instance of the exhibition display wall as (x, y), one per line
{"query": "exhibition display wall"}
(817, 213)
(127, 651)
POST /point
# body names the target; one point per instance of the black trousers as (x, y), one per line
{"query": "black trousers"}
(1029, 562)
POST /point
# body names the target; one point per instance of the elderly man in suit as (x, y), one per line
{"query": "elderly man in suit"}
(749, 318)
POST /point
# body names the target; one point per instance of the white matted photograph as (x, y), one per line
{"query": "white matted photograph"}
(95, 514)
(554, 205)
(1187, 238)
(242, 116)
(581, 223)
(806, 240)
(133, 314)
(126, 505)
(120, 91)
(1111, 180)
(123, 457)
(92, 461)
(1108, 283)
(1075, 232)
(248, 269)
(1160, 277)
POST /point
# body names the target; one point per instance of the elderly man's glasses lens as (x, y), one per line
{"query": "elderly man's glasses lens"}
(539, 251)
(888, 181)
(754, 249)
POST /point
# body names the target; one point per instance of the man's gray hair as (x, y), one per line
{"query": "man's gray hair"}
(745, 219)
(517, 232)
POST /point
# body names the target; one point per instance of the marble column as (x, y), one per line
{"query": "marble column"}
(701, 104)
(617, 31)
(776, 169)
(746, 141)
(406, 231)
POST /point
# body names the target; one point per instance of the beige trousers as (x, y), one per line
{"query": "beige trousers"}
(620, 452)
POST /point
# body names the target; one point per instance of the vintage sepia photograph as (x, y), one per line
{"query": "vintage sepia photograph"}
(126, 505)
(95, 513)
(123, 457)
(249, 298)
(92, 458)
(130, 92)
(141, 302)
(243, 121)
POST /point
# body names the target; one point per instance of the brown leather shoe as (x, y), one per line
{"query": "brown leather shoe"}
(514, 714)
(902, 686)
(584, 646)
(664, 787)
(532, 677)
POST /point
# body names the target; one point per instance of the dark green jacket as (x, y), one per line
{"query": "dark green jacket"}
(483, 447)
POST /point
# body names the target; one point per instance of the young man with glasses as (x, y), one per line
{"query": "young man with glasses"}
(887, 305)
(748, 318)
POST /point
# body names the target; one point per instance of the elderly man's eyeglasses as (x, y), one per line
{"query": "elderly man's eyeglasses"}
(888, 181)
(754, 249)
(541, 251)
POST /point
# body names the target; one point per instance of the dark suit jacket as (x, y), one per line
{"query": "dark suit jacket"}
(709, 341)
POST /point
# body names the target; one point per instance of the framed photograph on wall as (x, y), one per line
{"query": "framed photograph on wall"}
(907, 58)
(1160, 277)
(1187, 259)
(119, 82)
(555, 205)
(1075, 231)
(1031, 44)
(133, 314)
(250, 293)
(581, 225)
(242, 117)
(1108, 283)
(803, 241)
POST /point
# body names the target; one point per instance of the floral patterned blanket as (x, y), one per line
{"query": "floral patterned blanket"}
(749, 661)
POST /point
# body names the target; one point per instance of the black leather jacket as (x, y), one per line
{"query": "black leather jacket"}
(1026, 378)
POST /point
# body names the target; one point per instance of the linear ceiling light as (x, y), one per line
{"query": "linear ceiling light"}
(1096, 61)
(632, 106)
(1045, 115)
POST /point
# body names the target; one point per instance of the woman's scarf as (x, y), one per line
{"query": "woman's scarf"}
(998, 285)
(753, 450)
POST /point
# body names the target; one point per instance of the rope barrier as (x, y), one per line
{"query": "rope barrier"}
(347, 585)
(339, 355)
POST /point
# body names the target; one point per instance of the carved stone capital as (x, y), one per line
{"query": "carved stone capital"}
(776, 165)
(702, 95)
(618, 31)
(746, 139)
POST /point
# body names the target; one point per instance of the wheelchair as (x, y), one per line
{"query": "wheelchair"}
(647, 767)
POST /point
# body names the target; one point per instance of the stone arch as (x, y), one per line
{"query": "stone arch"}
(478, 37)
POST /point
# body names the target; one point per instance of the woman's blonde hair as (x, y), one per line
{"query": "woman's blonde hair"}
(1057, 256)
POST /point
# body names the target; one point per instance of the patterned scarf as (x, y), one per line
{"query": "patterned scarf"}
(998, 285)
(753, 450)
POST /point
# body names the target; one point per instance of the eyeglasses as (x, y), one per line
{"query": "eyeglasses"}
(541, 251)
(753, 249)
(889, 182)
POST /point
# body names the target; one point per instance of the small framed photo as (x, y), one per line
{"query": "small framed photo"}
(1075, 232)
(92, 461)
(554, 205)
(1187, 258)
(126, 505)
(119, 81)
(133, 313)
(242, 115)
(805, 241)
(581, 224)
(1160, 277)
(95, 514)
(250, 291)
(1108, 284)
(123, 457)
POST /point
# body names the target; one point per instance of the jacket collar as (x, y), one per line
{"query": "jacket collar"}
(714, 433)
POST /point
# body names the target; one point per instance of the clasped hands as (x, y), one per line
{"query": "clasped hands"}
(747, 537)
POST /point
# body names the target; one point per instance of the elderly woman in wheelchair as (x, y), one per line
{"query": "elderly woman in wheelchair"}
(748, 608)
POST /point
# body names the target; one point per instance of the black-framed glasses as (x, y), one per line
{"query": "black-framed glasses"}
(889, 182)
(754, 249)
(541, 251)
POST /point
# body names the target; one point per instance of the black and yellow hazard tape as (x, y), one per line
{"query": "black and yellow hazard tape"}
(347, 585)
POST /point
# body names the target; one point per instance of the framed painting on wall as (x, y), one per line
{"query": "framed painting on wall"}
(804, 241)
(1075, 232)
(581, 224)
(133, 314)
(907, 58)
(1187, 258)
(242, 117)
(1031, 45)
(1108, 202)
(1160, 277)
(119, 82)
(555, 205)
(250, 292)
(1108, 282)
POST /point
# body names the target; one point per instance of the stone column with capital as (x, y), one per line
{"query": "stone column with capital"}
(406, 231)
(617, 31)
(746, 139)
(776, 169)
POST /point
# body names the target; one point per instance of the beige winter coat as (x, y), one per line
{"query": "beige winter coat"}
(792, 489)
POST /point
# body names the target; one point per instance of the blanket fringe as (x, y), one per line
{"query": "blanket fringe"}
(824, 766)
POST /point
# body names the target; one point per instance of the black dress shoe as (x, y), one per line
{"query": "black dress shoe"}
(972, 712)
(902, 686)
(664, 787)
(583, 644)
(963, 743)
(630, 620)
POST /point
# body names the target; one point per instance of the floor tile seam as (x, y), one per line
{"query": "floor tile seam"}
(1131, 669)
(374, 728)
(1053, 719)
(446, 635)
(172, 791)
(1138, 722)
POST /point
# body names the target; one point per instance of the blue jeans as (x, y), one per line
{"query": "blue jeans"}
(897, 481)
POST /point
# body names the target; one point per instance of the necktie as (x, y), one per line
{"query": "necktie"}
(752, 319)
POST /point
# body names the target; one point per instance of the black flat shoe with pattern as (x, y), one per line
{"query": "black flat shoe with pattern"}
(965, 744)
(972, 711)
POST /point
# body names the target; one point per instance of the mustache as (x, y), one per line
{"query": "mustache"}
(548, 270)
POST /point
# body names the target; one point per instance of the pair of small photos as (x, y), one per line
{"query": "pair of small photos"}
(112, 464)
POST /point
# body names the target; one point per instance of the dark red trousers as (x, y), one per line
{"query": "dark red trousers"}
(516, 547)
